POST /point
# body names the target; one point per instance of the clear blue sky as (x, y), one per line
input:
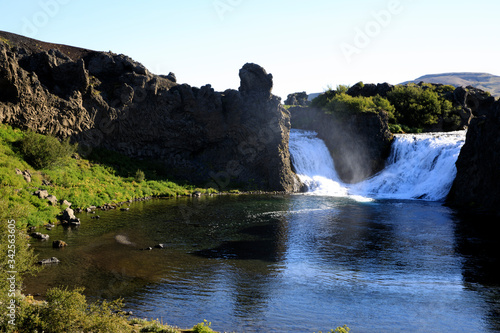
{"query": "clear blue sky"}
(306, 45)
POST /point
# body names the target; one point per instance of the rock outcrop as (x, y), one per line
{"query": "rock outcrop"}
(235, 138)
(477, 185)
(297, 99)
(359, 145)
(370, 89)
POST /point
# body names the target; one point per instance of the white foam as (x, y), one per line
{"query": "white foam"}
(421, 166)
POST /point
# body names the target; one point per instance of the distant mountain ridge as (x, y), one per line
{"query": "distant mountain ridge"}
(483, 81)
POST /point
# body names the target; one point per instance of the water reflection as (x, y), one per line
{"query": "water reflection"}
(477, 243)
(297, 263)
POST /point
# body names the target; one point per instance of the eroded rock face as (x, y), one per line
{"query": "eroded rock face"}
(477, 185)
(100, 99)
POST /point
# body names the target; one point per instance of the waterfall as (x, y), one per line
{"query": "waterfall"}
(420, 166)
(314, 165)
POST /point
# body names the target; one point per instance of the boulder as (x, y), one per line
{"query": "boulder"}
(66, 203)
(68, 217)
(52, 199)
(26, 174)
(38, 235)
(297, 99)
(57, 244)
(52, 260)
(42, 194)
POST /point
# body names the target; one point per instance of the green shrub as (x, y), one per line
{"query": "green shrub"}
(68, 311)
(44, 151)
(415, 107)
(203, 327)
(323, 99)
(340, 329)
(395, 128)
(156, 327)
(139, 176)
(345, 105)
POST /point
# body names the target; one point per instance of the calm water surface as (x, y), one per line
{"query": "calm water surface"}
(287, 264)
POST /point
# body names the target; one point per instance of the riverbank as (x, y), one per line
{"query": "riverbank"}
(40, 195)
(34, 197)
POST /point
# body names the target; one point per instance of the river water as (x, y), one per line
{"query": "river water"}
(289, 263)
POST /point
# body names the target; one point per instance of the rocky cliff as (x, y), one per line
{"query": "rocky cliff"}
(477, 185)
(235, 138)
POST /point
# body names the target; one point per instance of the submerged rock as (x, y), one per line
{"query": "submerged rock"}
(59, 244)
(52, 260)
(38, 235)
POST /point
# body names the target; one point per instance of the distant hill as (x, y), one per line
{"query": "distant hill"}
(310, 97)
(484, 81)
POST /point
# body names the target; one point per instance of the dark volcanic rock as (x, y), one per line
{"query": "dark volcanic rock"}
(477, 184)
(254, 79)
(100, 99)
(297, 99)
(370, 89)
(57, 244)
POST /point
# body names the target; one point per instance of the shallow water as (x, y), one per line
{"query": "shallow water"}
(287, 264)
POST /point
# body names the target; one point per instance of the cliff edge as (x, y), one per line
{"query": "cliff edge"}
(476, 187)
(235, 138)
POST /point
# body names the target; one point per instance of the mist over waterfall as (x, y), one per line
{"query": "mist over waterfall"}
(314, 165)
(420, 166)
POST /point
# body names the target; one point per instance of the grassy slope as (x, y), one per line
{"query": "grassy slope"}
(80, 181)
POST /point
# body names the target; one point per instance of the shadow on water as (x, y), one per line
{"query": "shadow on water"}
(266, 244)
(477, 243)
(297, 263)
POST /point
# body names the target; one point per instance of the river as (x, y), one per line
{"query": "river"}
(291, 263)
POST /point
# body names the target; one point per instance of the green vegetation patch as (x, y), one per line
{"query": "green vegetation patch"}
(52, 165)
(410, 108)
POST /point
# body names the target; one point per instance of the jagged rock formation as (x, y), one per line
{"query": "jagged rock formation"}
(370, 89)
(297, 99)
(359, 145)
(477, 185)
(100, 99)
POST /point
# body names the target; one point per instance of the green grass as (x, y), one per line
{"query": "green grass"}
(105, 178)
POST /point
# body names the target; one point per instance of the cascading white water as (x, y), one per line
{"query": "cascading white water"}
(314, 165)
(421, 166)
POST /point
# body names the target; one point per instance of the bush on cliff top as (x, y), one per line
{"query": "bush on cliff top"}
(412, 108)
(344, 105)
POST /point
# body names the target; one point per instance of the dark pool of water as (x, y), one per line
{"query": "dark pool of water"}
(287, 264)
